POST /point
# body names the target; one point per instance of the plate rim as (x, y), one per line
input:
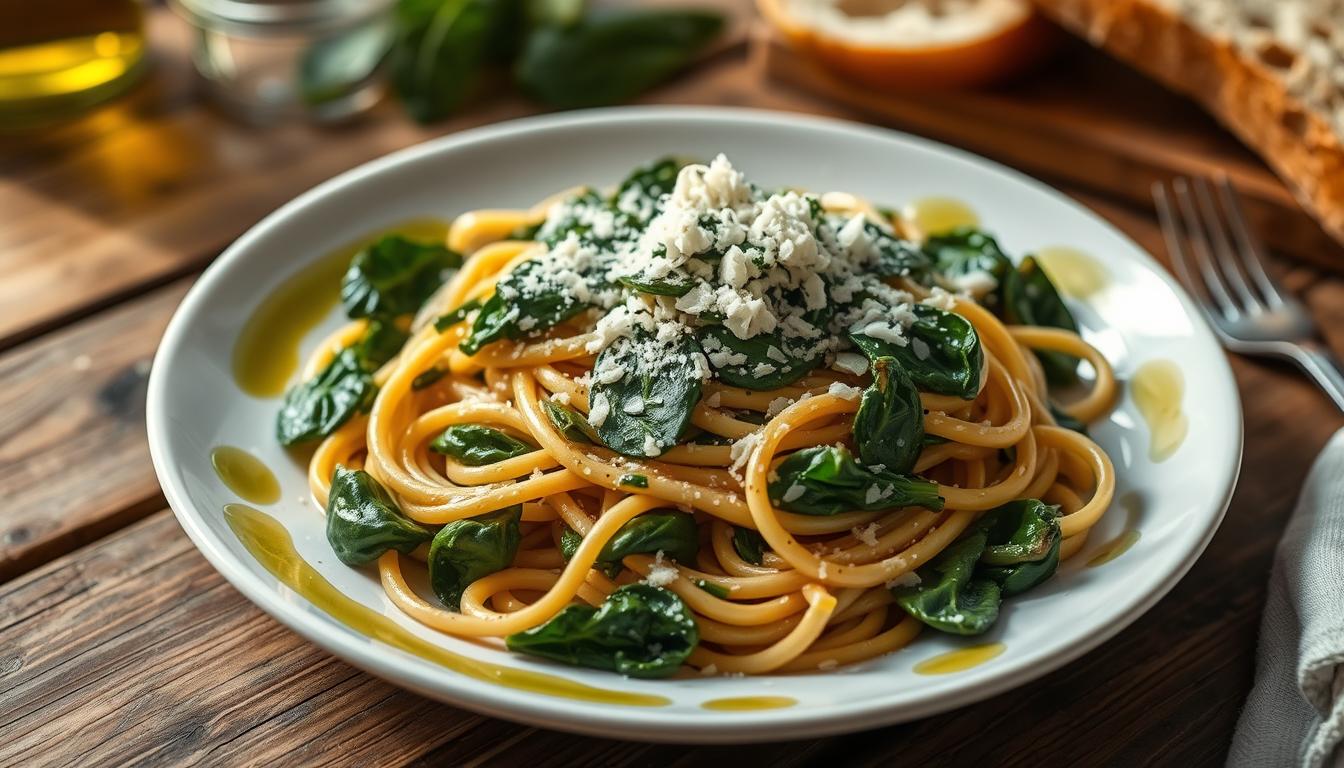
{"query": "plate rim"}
(630, 722)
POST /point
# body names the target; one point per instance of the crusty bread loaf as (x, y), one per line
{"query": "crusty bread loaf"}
(1271, 70)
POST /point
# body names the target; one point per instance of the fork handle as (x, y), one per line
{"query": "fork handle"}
(1322, 366)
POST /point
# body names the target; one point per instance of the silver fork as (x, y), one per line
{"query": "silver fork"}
(1223, 268)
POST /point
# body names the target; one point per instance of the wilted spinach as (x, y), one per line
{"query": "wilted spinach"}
(1022, 544)
(570, 423)
(889, 425)
(1009, 550)
(381, 342)
(950, 597)
(749, 544)
(319, 406)
(645, 186)
(771, 360)
(363, 521)
(394, 276)
(638, 631)
(650, 406)
(476, 445)
(449, 319)
(943, 353)
(966, 250)
(611, 55)
(896, 257)
(667, 531)
(536, 309)
(466, 550)
(1029, 298)
(826, 480)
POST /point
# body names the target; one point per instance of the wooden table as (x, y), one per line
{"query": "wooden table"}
(118, 643)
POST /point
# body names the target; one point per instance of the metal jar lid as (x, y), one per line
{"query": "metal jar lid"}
(262, 18)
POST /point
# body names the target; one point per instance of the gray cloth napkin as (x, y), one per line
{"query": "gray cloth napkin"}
(1295, 713)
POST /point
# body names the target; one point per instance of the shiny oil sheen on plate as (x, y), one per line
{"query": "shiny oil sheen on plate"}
(272, 546)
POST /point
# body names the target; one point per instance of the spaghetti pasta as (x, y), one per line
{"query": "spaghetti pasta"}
(769, 583)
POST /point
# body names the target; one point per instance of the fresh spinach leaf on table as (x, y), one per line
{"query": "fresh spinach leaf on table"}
(611, 55)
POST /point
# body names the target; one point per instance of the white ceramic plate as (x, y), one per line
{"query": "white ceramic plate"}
(1141, 315)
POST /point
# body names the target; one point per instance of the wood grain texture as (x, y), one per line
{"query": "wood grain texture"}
(134, 650)
(74, 462)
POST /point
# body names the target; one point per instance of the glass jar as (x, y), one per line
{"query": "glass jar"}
(267, 60)
(60, 56)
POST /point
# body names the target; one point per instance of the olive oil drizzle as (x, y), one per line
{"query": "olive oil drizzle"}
(1158, 389)
(1076, 273)
(245, 474)
(272, 546)
(266, 353)
(939, 215)
(1133, 506)
(960, 659)
(749, 703)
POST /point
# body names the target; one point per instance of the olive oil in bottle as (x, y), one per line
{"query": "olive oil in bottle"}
(59, 56)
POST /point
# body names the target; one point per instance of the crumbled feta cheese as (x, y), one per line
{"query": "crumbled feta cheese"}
(598, 409)
(866, 534)
(741, 450)
(660, 574)
(843, 390)
(851, 362)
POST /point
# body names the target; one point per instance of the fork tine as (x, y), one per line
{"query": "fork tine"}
(1249, 248)
(1222, 249)
(1180, 260)
(1194, 233)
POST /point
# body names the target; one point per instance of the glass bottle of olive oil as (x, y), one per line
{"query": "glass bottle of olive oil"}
(58, 56)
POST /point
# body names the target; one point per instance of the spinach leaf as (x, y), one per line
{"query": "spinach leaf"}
(825, 480)
(672, 533)
(441, 47)
(513, 312)
(1029, 298)
(950, 597)
(319, 406)
(466, 550)
(394, 276)
(889, 425)
(446, 321)
(476, 445)
(943, 353)
(750, 545)
(965, 250)
(764, 361)
(896, 257)
(1065, 420)
(363, 521)
(570, 423)
(1022, 544)
(570, 540)
(638, 631)
(333, 68)
(658, 286)
(427, 378)
(633, 480)
(650, 406)
(716, 590)
(646, 185)
(381, 342)
(611, 56)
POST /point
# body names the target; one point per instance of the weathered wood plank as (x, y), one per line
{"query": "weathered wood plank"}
(74, 462)
(134, 650)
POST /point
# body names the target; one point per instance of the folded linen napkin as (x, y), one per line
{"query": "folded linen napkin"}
(1294, 715)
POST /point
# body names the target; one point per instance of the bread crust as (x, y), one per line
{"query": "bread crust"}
(1245, 93)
